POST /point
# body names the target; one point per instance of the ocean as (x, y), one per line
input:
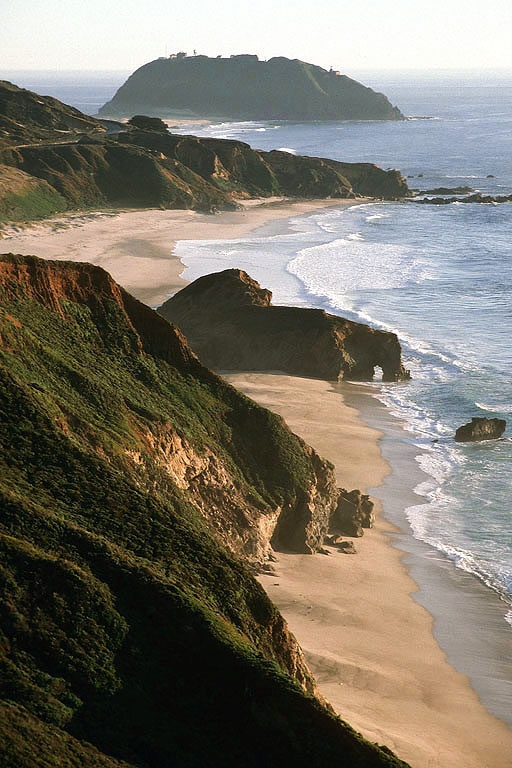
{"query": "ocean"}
(439, 277)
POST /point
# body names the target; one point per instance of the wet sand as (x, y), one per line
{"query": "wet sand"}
(370, 645)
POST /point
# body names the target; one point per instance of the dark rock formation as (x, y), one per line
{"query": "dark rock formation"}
(464, 190)
(27, 117)
(230, 323)
(242, 87)
(347, 548)
(130, 633)
(345, 179)
(145, 123)
(480, 428)
(353, 513)
(78, 162)
(478, 197)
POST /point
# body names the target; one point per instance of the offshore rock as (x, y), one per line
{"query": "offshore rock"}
(478, 197)
(480, 428)
(231, 324)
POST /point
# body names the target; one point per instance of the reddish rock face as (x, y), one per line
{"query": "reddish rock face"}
(230, 323)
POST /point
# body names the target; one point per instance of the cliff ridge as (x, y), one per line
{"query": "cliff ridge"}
(136, 488)
(231, 324)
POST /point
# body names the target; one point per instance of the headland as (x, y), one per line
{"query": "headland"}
(370, 645)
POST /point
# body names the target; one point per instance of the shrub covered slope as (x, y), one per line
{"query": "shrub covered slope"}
(134, 486)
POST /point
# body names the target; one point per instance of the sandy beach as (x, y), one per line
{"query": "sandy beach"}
(136, 246)
(369, 643)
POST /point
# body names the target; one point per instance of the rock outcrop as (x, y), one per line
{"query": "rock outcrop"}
(353, 513)
(244, 88)
(231, 325)
(135, 486)
(71, 161)
(477, 197)
(480, 428)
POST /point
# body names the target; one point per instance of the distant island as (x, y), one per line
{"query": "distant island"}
(245, 88)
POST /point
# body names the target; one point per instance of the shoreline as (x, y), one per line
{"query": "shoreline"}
(370, 644)
(456, 600)
(137, 248)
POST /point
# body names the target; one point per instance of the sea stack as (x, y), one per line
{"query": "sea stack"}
(480, 428)
(231, 324)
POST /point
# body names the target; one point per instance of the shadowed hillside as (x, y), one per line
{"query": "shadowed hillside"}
(130, 478)
(52, 158)
(244, 88)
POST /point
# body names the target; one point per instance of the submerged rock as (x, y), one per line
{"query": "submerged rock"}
(480, 428)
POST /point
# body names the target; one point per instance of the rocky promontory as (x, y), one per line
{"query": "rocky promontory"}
(245, 88)
(136, 488)
(53, 159)
(231, 324)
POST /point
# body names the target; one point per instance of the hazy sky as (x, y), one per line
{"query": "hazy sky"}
(347, 35)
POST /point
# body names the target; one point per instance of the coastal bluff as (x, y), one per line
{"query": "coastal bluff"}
(245, 88)
(231, 324)
(137, 490)
(53, 159)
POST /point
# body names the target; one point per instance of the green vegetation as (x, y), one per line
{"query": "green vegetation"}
(128, 631)
(24, 198)
(242, 87)
(53, 158)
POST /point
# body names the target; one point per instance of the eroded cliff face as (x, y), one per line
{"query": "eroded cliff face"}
(230, 323)
(129, 475)
(218, 482)
(66, 160)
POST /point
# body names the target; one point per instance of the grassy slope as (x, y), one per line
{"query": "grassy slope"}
(24, 197)
(123, 623)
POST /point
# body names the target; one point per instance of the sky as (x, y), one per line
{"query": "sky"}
(358, 34)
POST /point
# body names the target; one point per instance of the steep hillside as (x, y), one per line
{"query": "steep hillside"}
(23, 196)
(27, 117)
(231, 324)
(53, 158)
(128, 630)
(242, 87)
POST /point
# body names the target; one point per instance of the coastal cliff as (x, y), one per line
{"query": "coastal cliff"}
(135, 486)
(245, 88)
(52, 159)
(231, 324)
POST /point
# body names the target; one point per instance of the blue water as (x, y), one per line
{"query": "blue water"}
(440, 277)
